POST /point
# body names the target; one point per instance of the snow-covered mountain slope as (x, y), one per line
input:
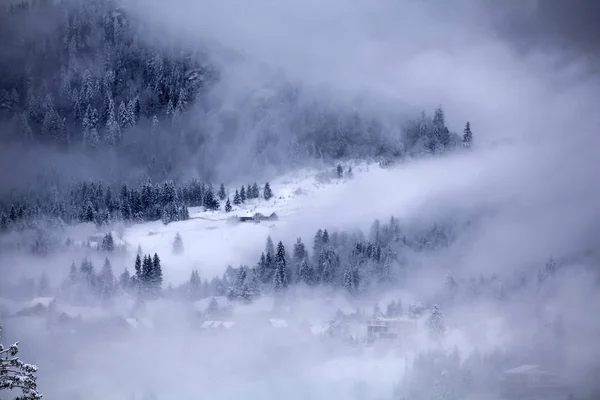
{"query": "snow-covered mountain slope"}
(214, 239)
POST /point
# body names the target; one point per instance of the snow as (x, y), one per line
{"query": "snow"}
(278, 323)
(523, 369)
(43, 301)
(212, 241)
(319, 330)
(228, 324)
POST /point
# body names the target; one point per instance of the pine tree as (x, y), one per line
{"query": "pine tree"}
(269, 247)
(108, 243)
(243, 194)
(17, 375)
(436, 322)
(178, 244)
(125, 280)
(467, 139)
(157, 276)
(267, 193)
(280, 276)
(299, 251)
(340, 171)
(351, 279)
(237, 200)
(349, 174)
(305, 272)
(3, 222)
(195, 286)
(441, 134)
(210, 202)
(112, 133)
(73, 275)
(249, 193)
(213, 307)
(255, 191)
(222, 194)
(228, 207)
(106, 280)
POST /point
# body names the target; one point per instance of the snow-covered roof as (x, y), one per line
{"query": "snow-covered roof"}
(228, 324)
(217, 324)
(278, 323)
(206, 324)
(43, 301)
(527, 369)
(347, 311)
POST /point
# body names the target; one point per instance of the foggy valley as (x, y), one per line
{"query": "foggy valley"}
(391, 200)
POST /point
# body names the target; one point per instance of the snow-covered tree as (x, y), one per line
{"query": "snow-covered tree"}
(267, 192)
(305, 272)
(17, 375)
(125, 280)
(178, 244)
(243, 194)
(106, 280)
(340, 171)
(195, 286)
(237, 200)
(108, 243)
(467, 139)
(280, 276)
(228, 207)
(436, 322)
(222, 194)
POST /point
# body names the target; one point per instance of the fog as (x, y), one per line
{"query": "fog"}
(529, 186)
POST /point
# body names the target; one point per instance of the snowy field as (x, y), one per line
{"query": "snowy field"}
(212, 241)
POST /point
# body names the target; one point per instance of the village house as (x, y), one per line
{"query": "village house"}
(381, 328)
(257, 217)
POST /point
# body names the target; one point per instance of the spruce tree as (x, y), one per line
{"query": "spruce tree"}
(305, 272)
(269, 247)
(249, 193)
(106, 280)
(467, 139)
(267, 193)
(351, 279)
(255, 191)
(108, 243)
(340, 171)
(178, 244)
(237, 200)
(195, 286)
(125, 281)
(17, 375)
(243, 194)
(222, 194)
(228, 207)
(299, 251)
(436, 323)
(280, 276)
(157, 276)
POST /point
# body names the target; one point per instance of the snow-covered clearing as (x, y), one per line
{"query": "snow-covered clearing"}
(212, 241)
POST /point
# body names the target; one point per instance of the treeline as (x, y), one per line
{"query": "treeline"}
(344, 261)
(96, 202)
(96, 80)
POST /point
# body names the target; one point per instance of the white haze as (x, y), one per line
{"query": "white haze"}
(532, 175)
